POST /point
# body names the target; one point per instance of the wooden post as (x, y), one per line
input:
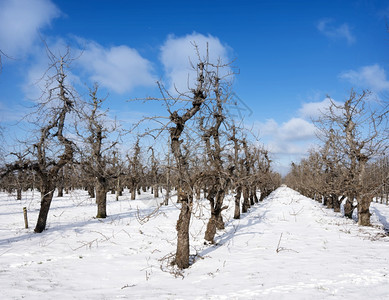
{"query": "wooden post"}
(25, 217)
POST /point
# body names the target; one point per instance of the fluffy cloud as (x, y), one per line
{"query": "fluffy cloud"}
(313, 110)
(288, 141)
(117, 68)
(331, 31)
(296, 129)
(177, 54)
(372, 77)
(20, 22)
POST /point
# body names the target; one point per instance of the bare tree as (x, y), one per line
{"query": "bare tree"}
(237, 172)
(52, 149)
(182, 114)
(247, 162)
(154, 176)
(217, 175)
(135, 171)
(99, 151)
(359, 132)
(186, 183)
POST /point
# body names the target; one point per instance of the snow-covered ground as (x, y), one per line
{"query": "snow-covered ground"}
(288, 247)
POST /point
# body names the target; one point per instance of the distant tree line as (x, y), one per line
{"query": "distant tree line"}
(351, 168)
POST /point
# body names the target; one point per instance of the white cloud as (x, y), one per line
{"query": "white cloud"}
(297, 129)
(20, 23)
(117, 68)
(313, 110)
(177, 54)
(284, 138)
(288, 141)
(372, 77)
(331, 31)
(270, 127)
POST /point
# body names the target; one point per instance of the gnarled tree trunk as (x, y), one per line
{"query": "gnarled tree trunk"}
(246, 200)
(101, 198)
(47, 192)
(216, 219)
(364, 211)
(237, 202)
(182, 252)
(348, 208)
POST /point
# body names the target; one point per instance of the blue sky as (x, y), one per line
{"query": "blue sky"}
(290, 55)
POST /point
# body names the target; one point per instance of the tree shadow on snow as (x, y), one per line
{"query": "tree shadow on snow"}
(382, 219)
(235, 227)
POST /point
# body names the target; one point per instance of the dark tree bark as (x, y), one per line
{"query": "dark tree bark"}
(329, 202)
(91, 190)
(182, 252)
(237, 202)
(246, 200)
(254, 193)
(348, 207)
(336, 202)
(47, 192)
(216, 220)
(101, 197)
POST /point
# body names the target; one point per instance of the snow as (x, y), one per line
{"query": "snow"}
(287, 247)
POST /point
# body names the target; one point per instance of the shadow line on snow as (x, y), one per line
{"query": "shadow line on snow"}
(236, 227)
(381, 218)
(54, 226)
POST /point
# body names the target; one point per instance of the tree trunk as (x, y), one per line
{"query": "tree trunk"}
(330, 203)
(133, 193)
(119, 190)
(251, 197)
(19, 193)
(211, 226)
(219, 209)
(246, 200)
(254, 193)
(60, 191)
(91, 191)
(336, 202)
(216, 220)
(237, 202)
(364, 211)
(325, 200)
(348, 209)
(167, 196)
(47, 193)
(182, 253)
(101, 198)
(156, 195)
(263, 194)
